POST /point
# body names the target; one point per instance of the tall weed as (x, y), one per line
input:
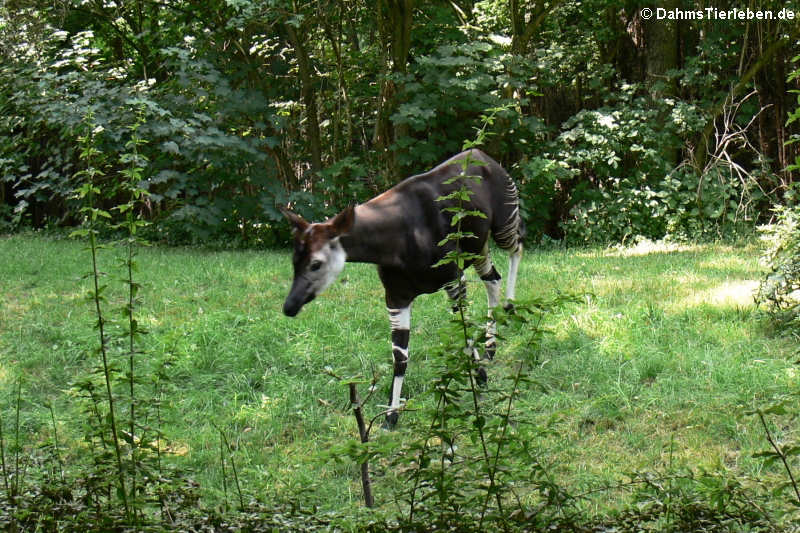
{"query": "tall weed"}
(118, 412)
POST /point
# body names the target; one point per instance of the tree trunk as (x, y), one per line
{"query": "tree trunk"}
(661, 53)
(700, 154)
(309, 93)
(523, 29)
(395, 18)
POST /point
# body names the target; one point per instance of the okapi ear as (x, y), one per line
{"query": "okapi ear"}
(298, 224)
(343, 222)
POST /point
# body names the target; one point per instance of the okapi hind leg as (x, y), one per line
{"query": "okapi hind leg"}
(457, 292)
(400, 320)
(511, 285)
(491, 280)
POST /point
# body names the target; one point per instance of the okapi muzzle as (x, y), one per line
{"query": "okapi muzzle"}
(299, 295)
(318, 257)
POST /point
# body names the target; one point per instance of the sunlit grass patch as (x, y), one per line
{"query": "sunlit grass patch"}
(730, 294)
(647, 247)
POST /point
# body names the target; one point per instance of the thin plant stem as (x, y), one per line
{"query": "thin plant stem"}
(476, 405)
(236, 480)
(502, 438)
(55, 442)
(107, 373)
(422, 458)
(233, 468)
(469, 348)
(3, 460)
(101, 329)
(96, 409)
(366, 482)
(222, 462)
(161, 502)
(131, 357)
(780, 454)
(17, 477)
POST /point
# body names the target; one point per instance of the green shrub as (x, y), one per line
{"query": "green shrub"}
(445, 95)
(204, 181)
(621, 154)
(780, 288)
(625, 179)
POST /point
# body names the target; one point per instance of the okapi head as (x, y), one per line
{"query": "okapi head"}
(318, 256)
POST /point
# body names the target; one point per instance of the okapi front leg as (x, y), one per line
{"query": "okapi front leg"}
(457, 291)
(400, 320)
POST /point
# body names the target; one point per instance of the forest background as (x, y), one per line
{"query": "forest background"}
(614, 126)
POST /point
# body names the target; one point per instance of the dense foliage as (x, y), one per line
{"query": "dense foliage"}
(780, 288)
(613, 125)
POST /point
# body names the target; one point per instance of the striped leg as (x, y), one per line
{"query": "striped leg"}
(400, 320)
(491, 279)
(509, 237)
(457, 290)
(513, 267)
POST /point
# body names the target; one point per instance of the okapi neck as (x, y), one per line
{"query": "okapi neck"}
(374, 238)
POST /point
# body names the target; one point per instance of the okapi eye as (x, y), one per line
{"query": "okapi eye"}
(315, 265)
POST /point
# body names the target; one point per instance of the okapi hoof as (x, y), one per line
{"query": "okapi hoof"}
(509, 308)
(481, 377)
(390, 422)
(490, 351)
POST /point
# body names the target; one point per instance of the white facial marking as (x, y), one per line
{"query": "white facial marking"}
(326, 265)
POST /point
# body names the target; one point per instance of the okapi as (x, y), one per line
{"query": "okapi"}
(400, 231)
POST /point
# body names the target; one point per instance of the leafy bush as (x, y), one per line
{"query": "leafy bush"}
(204, 181)
(621, 153)
(621, 173)
(40, 109)
(445, 95)
(780, 288)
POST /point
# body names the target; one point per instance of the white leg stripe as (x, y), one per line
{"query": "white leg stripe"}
(493, 293)
(400, 318)
(513, 267)
(404, 351)
(470, 349)
(397, 386)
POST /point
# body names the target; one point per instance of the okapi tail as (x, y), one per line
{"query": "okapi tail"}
(511, 232)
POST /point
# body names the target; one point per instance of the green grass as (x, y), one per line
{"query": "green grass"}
(652, 370)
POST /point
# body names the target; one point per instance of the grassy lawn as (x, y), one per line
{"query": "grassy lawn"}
(653, 369)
